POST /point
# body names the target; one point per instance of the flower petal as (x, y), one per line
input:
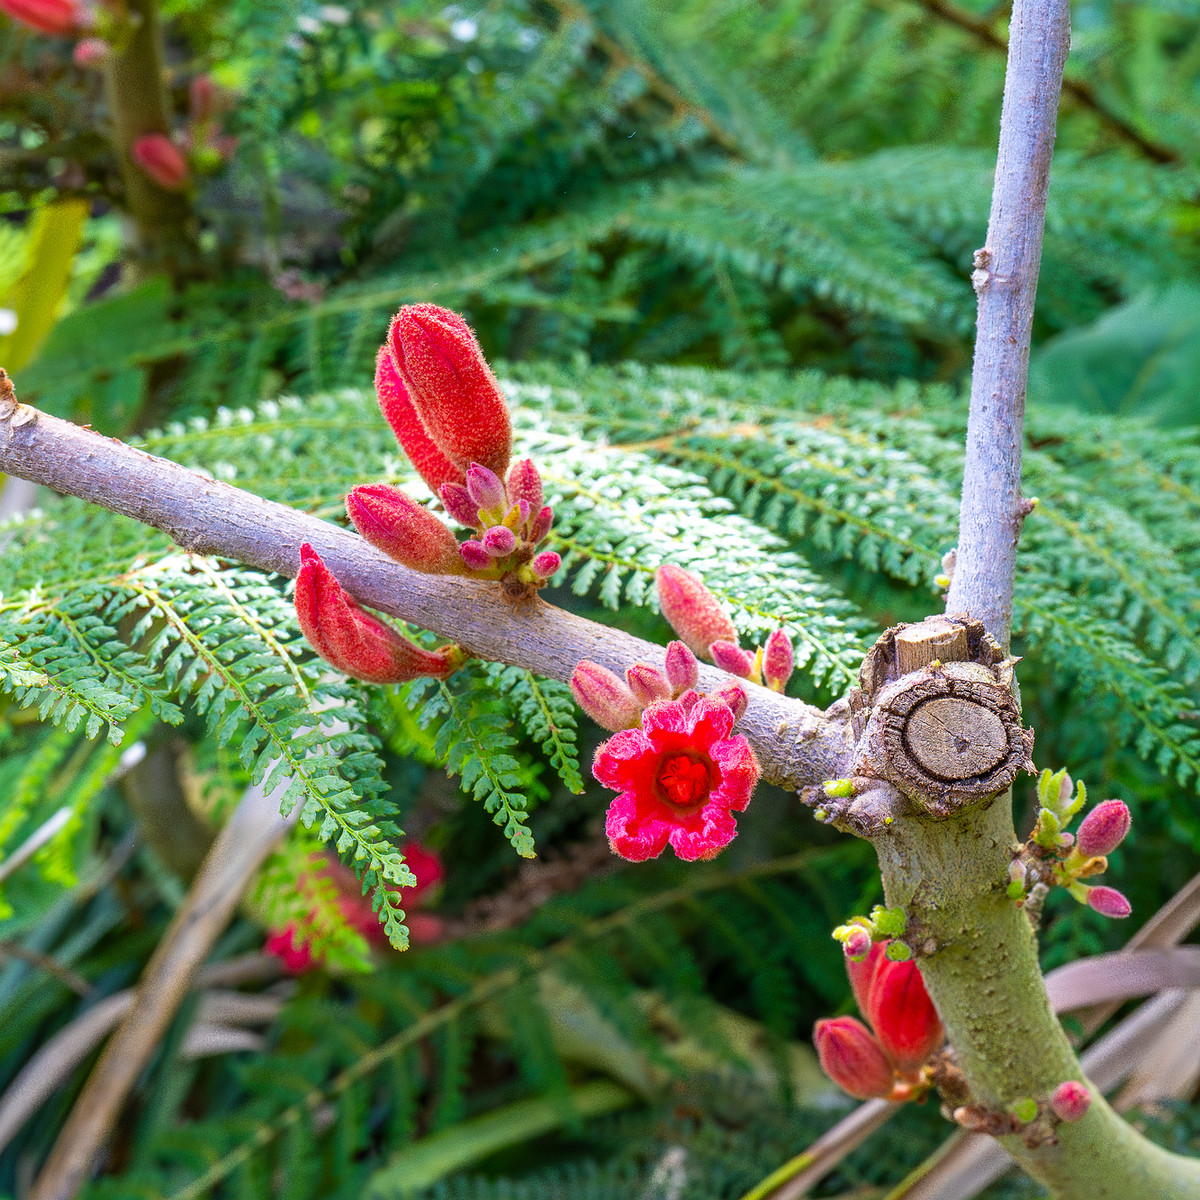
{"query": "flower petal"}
(706, 837)
(617, 760)
(739, 772)
(632, 833)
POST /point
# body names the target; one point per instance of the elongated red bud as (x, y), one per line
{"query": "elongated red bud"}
(524, 483)
(902, 1014)
(474, 555)
(56, 17)
(778, 662)
(485, 489)
(453, 388)
(355, 642)
(1108, 902)
(734, 697)
(546, 564)
(499, 541)
(733, 659)
(91, 52)
(683, 671)
(647, 683)
(161, 160)
(404, 530)
(401, 414)
(852, 1058)
(1070, 1100)
(542, 524)
(692, 610)
(202, 98)
(459, 505)
(604, 697)
(1103, 829)
(861, 972)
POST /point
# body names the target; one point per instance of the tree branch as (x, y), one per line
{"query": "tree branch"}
(797, 745)
(1005, 279)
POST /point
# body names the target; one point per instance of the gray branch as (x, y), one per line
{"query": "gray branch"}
(797, 745)
(1005, 278)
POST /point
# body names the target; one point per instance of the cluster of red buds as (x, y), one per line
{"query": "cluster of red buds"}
(891, 1059)
(696, 615)
(1053, 857)
(295, 951)
(444, 405)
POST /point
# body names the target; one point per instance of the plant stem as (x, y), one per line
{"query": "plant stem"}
(134, 88)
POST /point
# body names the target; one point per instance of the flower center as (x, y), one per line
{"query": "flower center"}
(684, 781)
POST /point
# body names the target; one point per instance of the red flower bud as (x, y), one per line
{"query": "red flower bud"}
(861, 972)
(683, 671)
(352, 640)
(732, 658)
(499, 541)
(734, 697)
(1103, 829)
(404, 530)
(454, 390)
(91, 52)
(647, 683)
(401, 414)
(902, 1014)
(58, 17)
(459, 505)
(779, 660)
(485, 489)
(524, 483)
(161, 160)
(1070, 1100)
(1108, 902)
(604, 697)
(852, 1058)
(857, 946)
(692, 610)
(202, 98)
(542, 524)
(546, 564)
(474, 555)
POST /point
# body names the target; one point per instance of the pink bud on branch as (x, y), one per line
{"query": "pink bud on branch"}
(353, 641)
(524, 483)
(778, 661)
(692, 610)
(161, 160)
(1070, 1100)
(91, 52)
(453, 389)
(485, 489)
(546, 564)
(683, 671)
(404, 530)
(647, 683)
(56, 17)
(1103, 829)
(604, 697)
(734, 697)
(732, 658)
(1108, 902)
(852, 1058)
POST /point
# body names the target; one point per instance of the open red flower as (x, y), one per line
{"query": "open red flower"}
(681, 777)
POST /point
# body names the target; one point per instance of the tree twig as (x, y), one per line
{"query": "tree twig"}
(1005, 278)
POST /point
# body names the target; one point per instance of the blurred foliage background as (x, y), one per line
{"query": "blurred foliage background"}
(729, 241)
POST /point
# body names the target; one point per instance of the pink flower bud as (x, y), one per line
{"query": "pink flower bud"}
(852, 1058)
(1070, 1100)
(524, 483)
(499, 541)
(161, 160)
(902, 1014)
(857, 944)
(604, 697)
(452, 387)
(1108, 902)
(734, 697)
(546, 564)
(683, 671)
(202, 98)
(485, 489)
(57, 17)
(861, 973)
(647, 683)
(474, 555)
(541, 525)
(688, 699)
(692, 610)
(459, 505)
(91, 52)
(1103, 829)
(732, 658)
(779, 660)
(401, 414)
(404, 530)
(352, 640)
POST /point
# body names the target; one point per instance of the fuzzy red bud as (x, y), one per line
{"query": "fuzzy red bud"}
(852, 1058)
(546, 564)
(1103, 829)
(401, 414)
(683, 671)
(459, 505)
(499, 541)
(474, 555)
(56, 17)
(604, 697)
(91, 52)
(1108, 902)
(404, 530)
(902, 1014)
(734, 697)
(732, 658)
(452, 387)
(861, 972)
(485, 489)
(355, 642)
(647, 683)
(524, 483)
(542, 524)
(1070, 1100)
(692, 610)
(161, 160)
(779, 660)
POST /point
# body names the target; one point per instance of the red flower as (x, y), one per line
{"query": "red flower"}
(681, 777)
(162, 160)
